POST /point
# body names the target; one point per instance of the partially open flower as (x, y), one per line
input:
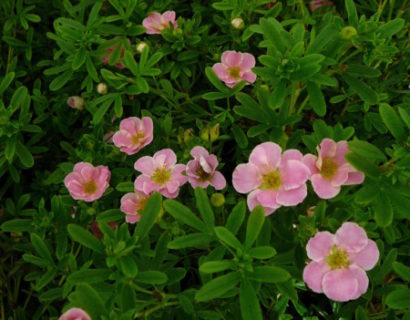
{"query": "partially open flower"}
(235, 67)
(76, 102)
(132, 204)
(134, 134)
(87, 182)
(202, 172)
(75, 314)
(271, 178)
(157, 22)
(160, 173)
(330, 170)
(339, 262)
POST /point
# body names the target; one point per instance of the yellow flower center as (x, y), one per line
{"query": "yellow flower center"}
(329, 168)
(141, 204)
(138, 137)
(271, 180)
(90, 187)
(235, 72)
(338, 258)
(202, 175)
(161, 175)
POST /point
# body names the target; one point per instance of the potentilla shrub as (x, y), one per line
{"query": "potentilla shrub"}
(204, 160)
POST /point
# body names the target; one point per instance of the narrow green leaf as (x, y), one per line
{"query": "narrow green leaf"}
(184, 215)
(216, 266)
(317, 100)
(213, 78)
(89, 276)
(218, 286)
(84, 237)
(191, 240)
(366, 93)
(383, 210)
(360, 313)
(227, 237)
(367, 150)
(16, 225)
(351, 13)
(151, 277)
(6, 81)
(88, 299)
(204, 207)
(392, 121)
(102, 110)
(399, 299)
(272, 31)
(402, 270)
(130, 63)
(248, 301)
(236, 217)
(240, 136)
(149, 215)
(263, 252)
(269, 274)
(129, 266)
(79, 58)
(254, 226)
(41, 248)
(24, 155)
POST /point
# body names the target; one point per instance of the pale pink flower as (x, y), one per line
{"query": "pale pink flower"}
(156, 22)
(160, 173)
(75, 314)
(330, 170)
(134, 134)
(234, 67)
(339, 262)
(87, 182)
(316, 4)
(271, 178)
(132, 204)
(202, 172)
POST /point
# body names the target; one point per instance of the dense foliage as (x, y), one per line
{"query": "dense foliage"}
(338, 72)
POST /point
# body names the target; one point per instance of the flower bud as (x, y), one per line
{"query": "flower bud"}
(348, 32)
(237, 23)
(102, 88)
(141, 46)
(76, 102)
(205, 134)
(217, 200)
(214, 132)
(188, 135)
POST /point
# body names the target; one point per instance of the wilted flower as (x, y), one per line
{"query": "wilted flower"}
(316, 4)
(330, 170)
(201, 171)
(237, 23)
(160, 173)
(102, 88)
(271, 178)
(132, 204)
(157, 22)
(87, 182)
(234, 67)
(76, 102)
(339, 262)
(75, 314)
(134, 134)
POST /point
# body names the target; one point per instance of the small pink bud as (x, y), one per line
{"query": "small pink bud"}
(76, 102)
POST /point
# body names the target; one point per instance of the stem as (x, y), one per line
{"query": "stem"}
(156, 308)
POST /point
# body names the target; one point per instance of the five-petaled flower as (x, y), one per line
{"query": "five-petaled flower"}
(201, 171)
(271, 178)
(330, 170)
(75, 314)
(157, 22)
(339, 262)
(234, 67)
(160, 173)
(87, 182)
(134, 134)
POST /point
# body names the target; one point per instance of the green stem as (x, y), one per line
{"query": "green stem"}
(146, 313)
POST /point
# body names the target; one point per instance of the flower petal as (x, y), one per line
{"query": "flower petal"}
(292, 197)
(354, 178)
(323, 187)
(320, 245)
(327, 148)
(313, 275)
(293, 174)
(220, 70)
(266, 156)
(199, 151)
(352, 237)
(310, 161)
(248, 61)
(362, 280)
(253, 201)
(341, 150)
(340, 285)
(165, 156)
(246, 177)
(249, 76)
(231, 58)
(367, 257)
(218, 181)
(145, 165)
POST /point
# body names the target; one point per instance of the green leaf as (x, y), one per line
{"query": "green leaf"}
(360, 313)
(61, 80)
(216, 266)
(10, 148)
(272, 31)
(248, 301)
(402, 270)
(91, 69)
(351, 13)
(317, 100)
(366, 93)
(218, 286)
(84, 237)
(288, 288)
(191, 240)
(102, 110)
(149, 215)
(151, 277)
(45, 279)
(130, 63)
(129, 266)
(184, 215)
(269, 274)
(405, 116)
(227, 237)
(24, 155)
(236, 217)
(204, 207)
(240, 136)
(41, 248)
(392, 121)
(362, 164)
(6, 81)
(367, 150)
(88, 299)
(263, 252)
(79, 58)
(383, 210)
(89, 276)
(213, 78)
(118, 106)
(17, 225)
(254, 226)
(125, 187)
(399, 299)
(390, 28)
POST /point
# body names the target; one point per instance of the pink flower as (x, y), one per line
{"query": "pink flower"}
(134, 134)
(316, 4)
(202, 170)
(131, 204)
(339, 262)
(75, 314)
(106, 58)
(87, 182)
(330, 170)
(160, 173)
(156, 22)
(235, 66)
(271, 178)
